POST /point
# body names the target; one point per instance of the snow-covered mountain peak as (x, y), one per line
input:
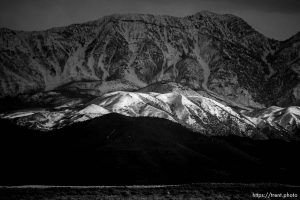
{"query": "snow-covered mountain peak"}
(198, 112)
(192, 111)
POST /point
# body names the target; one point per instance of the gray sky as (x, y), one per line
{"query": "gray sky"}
(277, 19)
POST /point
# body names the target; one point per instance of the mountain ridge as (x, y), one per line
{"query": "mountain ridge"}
(203, 113)
(204, 71)
(106, 49)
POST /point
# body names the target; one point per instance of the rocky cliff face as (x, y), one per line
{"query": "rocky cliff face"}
(285, 80)
(220, 54)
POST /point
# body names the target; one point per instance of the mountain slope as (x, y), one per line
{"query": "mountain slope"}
(198, 112)
(205, 51)
(115, 149)
(285, 119)
(174, 103)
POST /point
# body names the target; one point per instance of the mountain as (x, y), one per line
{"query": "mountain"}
(286, 61)
(199, 112)
(211, 73)
(192, 110)
(221, 54)
(144, 99)
(120, 150)
(285, 119)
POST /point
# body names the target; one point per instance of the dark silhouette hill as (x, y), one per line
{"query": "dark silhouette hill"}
(115, 149)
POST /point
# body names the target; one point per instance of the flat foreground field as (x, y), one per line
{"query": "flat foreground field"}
(189, 191)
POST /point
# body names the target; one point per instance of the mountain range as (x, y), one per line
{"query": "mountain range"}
(212, 73)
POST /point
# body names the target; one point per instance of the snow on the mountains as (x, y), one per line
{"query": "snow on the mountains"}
(287, 119)
(179, 106)
(17, 115)
(190, 111)
(151, 111)
(94, 109)
(133, 104)
(91, 111)
(290, 119)
(43, 120)
(125, 103)
(198, 111)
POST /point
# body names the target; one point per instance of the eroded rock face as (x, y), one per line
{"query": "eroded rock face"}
(285, 79)
(205, 51)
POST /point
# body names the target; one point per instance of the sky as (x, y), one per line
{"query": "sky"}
(278, 19)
